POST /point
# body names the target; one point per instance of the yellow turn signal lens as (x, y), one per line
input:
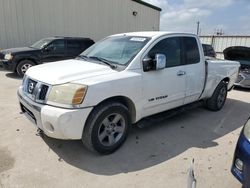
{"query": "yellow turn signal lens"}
(79, 95)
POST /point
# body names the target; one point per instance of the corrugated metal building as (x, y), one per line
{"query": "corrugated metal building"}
(22, 22)
(220, 43)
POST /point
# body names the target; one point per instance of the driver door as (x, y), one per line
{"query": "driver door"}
(165, 89)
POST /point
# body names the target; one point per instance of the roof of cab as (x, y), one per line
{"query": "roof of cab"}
(153, 33)
(63, 37)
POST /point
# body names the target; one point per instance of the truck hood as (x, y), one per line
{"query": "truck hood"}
(67, 71)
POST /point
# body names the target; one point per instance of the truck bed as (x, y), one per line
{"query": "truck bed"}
(217, 70)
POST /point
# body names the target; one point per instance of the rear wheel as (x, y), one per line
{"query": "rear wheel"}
(217, 101)
(23, 66)
(106, 128)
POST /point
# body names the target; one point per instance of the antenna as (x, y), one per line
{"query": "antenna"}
(198, 28)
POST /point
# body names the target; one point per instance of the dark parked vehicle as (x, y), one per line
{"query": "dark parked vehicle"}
(208, 50)
(242, 55)
(241, 162)
(46, 50)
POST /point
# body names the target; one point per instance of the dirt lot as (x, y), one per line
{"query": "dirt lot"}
(157, 156)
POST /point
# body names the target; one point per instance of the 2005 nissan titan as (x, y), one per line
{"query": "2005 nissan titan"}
(119, 81)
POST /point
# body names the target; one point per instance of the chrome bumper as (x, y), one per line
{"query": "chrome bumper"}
(30, 109)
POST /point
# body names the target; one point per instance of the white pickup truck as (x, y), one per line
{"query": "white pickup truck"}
(119, 81)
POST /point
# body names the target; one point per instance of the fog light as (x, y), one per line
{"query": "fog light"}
(239, 164)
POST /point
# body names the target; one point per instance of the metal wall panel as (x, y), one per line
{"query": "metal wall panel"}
(220, 43)
(22, 22)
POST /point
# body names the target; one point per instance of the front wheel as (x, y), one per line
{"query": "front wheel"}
(106, 128)
(217, 101)
(23, 66)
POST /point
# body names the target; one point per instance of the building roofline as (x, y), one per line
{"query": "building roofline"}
(147, 4)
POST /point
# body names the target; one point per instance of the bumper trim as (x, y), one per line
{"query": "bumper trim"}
(37, 108)
(8, 65)
(31, 111)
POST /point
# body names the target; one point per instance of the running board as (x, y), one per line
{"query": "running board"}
(157, 118)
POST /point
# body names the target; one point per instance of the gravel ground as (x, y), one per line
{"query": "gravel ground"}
(156, 156)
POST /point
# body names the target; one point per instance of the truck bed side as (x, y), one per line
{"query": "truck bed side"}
(218, 70)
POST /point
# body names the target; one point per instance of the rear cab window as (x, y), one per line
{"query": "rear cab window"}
(73, 44)
(191, 50)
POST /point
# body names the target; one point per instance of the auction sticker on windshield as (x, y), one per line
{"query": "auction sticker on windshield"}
(138, 39)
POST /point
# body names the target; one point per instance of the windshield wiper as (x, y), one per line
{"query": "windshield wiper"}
(84, 57)
(105, 61)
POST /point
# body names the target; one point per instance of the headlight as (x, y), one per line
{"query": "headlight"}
(8, 57)
(247, 130)
(67, 94)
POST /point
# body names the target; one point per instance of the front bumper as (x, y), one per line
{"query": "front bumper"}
(8, 65)
(53, 121)
(242, 152)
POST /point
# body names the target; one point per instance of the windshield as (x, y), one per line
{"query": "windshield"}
(41, 43)
(118, 50)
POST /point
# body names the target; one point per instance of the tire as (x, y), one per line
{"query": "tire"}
(23, 66)
(106, 128)
(217, 101)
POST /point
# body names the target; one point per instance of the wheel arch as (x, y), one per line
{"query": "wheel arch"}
(24, 58)
(214, 85)
(227, 80)
(90, 129)
(212, 103)
(123, 100)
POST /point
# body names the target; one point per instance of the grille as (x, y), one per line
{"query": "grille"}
(35, 90)
(31, 86)
(43, 92)
(240, 78)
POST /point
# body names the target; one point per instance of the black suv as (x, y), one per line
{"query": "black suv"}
(46, 50)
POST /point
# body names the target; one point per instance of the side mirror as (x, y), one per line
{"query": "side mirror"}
(161, 61)
(48, 48)
(154, 64)
(148, 64)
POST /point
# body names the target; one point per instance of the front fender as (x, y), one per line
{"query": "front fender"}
(124, 84)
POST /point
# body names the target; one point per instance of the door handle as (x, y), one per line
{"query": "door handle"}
(181, 73)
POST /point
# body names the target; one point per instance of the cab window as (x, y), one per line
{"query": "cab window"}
(191, 50)
(171, 48)
(57, 45)
(73, 44)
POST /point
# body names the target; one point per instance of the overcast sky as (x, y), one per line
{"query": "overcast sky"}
(233, 16)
